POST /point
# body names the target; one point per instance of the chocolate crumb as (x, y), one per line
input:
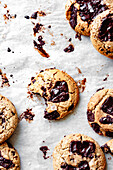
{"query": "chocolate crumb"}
(78, 35)
(27, 115)
(70, 39)
(27, 17)
(109, 158)
(49, 26)
(37, 28)
(69, 49)
(44, 149)
(40, 49)
(8, 50)
(11, 75)
(105, 79)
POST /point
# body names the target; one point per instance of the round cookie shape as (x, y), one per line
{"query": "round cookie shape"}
(102, 33)
(9, 158)
(59, 90)
(81, 13)
(100, 112)
(8, 118)
(78, 152)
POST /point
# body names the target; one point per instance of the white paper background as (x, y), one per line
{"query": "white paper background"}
(25, 62)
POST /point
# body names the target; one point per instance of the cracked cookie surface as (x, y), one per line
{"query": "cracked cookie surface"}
(78, 152)
(8, 118)
(100, 112)
(9, 158)
(59, 90)
(81, 13)
(102, 33)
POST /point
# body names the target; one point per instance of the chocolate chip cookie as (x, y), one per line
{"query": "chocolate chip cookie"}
(80, 152)
(8, 118)
(59, 90)
(100, 112)
(9, 158)
(102, 33)
(81, 13)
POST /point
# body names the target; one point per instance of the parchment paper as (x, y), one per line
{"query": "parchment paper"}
(26, 61)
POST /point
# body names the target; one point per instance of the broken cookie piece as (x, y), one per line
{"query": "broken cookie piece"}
(59, 90)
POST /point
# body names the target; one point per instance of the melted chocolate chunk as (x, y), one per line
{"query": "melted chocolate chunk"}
(51, 116)
(71, 107)
(106, 120)
(89, 9)
(69, 49)
(73, 18)
(67, 167)
(84, 165)
(6, 163)
(44, 149)
(85, 148)
(107, 106)
(96, 128)
(106, 29)
(100, 89)
(110, 134)
(59, 93)
(90, 116)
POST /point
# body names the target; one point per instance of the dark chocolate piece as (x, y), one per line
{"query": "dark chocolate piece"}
(107, 106)
(106, 29)
(85, 148)
(90, 116)
(6, 163)
(106, 120)
(96, 128)
(89, 9)
(51, 116)
(82, 166)
(59, 93)
(73, 18)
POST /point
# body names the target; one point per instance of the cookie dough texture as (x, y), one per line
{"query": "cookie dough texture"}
(104, 47)
(78, 151)
(8, 118)
(59, 90)
(9, 158)
(82, 13)
(100, 112)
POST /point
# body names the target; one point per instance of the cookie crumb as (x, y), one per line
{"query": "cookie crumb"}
(27, 115)
(5, 81)
(44, 149)
(81, 85)
(69, 49)
(79, 71)
(109, 158)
